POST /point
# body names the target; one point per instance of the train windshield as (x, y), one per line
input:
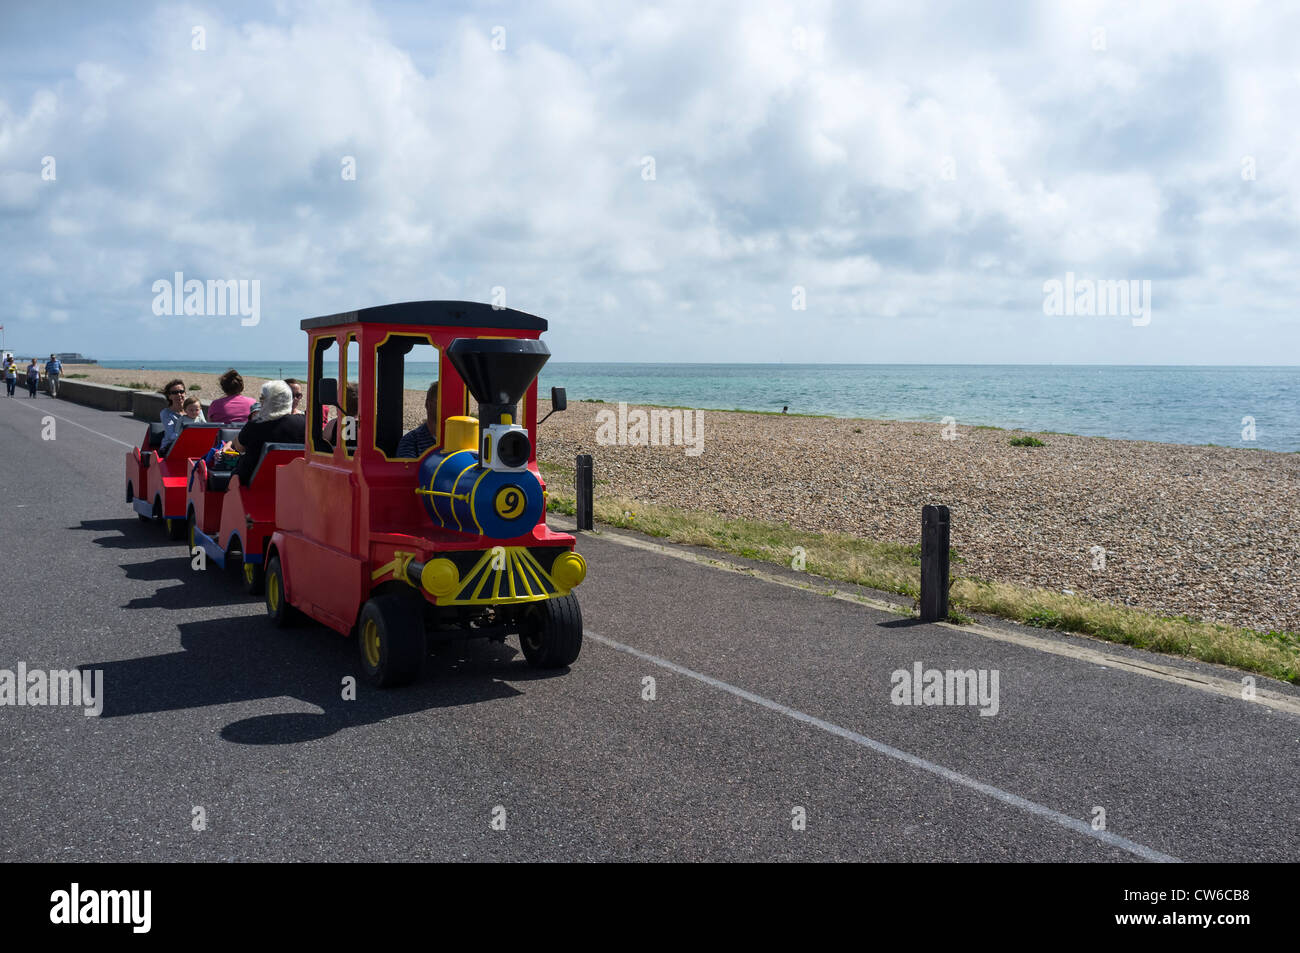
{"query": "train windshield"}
(407, 371)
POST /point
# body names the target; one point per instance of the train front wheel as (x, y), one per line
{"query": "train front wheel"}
(552, 637)
(391, 637)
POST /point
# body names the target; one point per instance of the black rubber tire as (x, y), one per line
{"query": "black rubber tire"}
(390, 636)
(253, 576)
(278, 609)
(553, 634)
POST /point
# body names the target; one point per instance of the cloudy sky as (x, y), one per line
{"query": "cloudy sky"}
(657, 179)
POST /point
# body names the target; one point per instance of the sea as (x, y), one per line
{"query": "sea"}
(1249, 407)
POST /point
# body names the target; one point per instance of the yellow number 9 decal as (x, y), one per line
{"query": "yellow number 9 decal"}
(510, 502)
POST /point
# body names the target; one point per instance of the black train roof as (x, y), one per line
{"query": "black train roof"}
(439, 314)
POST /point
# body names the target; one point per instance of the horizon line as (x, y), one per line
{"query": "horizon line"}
(274, 360)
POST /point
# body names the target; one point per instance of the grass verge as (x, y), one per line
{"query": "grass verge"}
(892, 567)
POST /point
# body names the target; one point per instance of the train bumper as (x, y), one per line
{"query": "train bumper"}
(501, 575)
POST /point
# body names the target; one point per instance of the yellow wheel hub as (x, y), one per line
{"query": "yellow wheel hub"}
(273, 592)
(248, 572)
(370, 642)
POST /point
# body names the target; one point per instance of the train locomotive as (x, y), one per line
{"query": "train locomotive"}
(393, 547)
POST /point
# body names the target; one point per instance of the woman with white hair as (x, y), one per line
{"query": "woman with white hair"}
(274, 423)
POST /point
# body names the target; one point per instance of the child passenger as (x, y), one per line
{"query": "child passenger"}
(194, 410)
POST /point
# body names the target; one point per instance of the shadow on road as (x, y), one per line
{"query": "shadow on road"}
(242, 659)
(194, 589)
(132, 534)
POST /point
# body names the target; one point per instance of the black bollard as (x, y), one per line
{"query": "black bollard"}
(934, 563)
(583, 491)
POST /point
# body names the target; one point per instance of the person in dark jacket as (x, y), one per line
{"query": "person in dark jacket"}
(274, 423)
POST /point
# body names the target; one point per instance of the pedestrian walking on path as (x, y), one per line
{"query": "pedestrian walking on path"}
(53, 368)
(33, 378)
(11, 374)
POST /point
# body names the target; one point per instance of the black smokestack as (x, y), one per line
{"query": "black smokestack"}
(497, 371)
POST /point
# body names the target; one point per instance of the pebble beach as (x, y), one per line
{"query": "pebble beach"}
(1210, 532)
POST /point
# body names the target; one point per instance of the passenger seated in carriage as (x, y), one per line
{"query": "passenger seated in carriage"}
(274, 423)
(233, 408)
(172, 416)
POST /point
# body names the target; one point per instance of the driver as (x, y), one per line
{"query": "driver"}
(414, 443)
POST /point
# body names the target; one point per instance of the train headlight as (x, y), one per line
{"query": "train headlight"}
(440, 578)
(568, 570)
(505, 447)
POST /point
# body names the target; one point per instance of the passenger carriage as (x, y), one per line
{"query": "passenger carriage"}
(156, 481)
(232, 521)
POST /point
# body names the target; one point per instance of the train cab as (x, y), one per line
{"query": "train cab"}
(398, 535)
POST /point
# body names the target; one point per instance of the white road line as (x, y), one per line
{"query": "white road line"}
(1064, 820)
(41, 410)
(1212, 684)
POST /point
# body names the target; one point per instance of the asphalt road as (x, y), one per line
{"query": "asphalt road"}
(770, 703)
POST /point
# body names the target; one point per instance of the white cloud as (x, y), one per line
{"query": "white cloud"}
(925, 164)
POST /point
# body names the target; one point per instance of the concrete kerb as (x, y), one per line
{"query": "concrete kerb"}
(100, 396)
